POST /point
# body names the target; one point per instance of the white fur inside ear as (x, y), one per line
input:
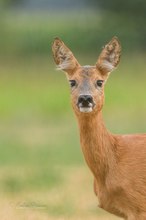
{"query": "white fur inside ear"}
(65, 60)
(107, 65)
(63, 66)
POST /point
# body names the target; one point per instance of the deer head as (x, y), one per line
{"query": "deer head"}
(87, 82)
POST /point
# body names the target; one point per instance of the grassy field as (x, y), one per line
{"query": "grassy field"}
(43, 175)
(42, 171)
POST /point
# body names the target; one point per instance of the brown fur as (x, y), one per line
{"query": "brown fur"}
(118, 162)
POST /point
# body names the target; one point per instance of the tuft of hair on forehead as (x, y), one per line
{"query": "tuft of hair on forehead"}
(87, 66)
(88, 71)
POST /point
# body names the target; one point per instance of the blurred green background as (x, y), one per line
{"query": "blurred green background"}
(42, 170)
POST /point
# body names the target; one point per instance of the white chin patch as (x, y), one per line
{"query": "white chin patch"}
(86, 109)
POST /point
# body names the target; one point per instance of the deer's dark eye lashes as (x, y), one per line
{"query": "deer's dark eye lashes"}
(72, 83)
(99, 83)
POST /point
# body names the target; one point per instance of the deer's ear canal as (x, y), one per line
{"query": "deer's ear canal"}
(109, 57)
(63, 57)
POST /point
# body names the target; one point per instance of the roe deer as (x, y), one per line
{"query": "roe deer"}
(118, 162)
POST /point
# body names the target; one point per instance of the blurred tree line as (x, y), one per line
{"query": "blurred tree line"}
(24, 33)
(8, 3)
(125, 18)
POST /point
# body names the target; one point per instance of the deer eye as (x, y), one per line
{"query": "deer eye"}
(99, 83)
(72, 83)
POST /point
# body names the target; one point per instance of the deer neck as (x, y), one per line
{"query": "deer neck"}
(97, 144)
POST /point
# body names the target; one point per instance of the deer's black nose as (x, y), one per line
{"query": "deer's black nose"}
(85, 100)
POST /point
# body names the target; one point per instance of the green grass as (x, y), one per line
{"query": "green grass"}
(35, 109)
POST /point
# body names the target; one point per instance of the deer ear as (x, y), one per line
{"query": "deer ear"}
(109, 57)
(63, 57)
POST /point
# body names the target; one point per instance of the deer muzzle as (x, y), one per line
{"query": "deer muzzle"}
(85, 103)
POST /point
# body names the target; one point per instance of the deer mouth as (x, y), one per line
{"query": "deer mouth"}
(86, 108)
